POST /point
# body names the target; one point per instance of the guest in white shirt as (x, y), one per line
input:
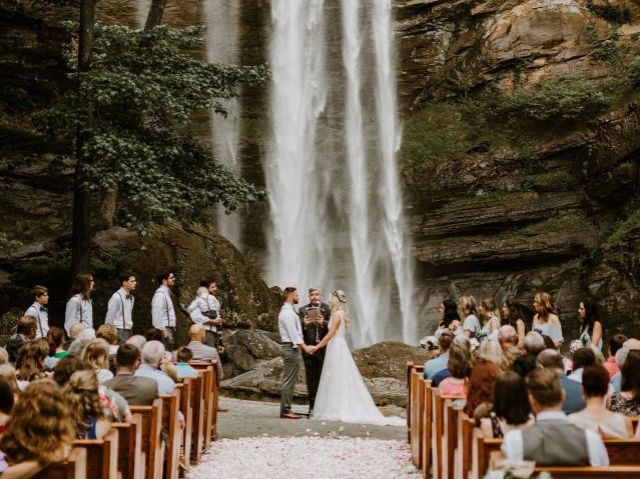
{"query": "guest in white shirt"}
(163, 315)
(38, 310)
(120, 307)
(79, 309)
(553, 440)
(292, 341)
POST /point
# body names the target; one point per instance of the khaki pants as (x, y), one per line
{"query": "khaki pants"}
(292, 358)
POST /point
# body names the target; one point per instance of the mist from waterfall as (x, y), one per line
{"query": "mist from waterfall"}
(222, 18)
(335, 198)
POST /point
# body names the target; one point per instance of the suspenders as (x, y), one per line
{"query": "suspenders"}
(39, 321)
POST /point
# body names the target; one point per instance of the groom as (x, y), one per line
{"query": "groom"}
(292, 343)
(314, 319)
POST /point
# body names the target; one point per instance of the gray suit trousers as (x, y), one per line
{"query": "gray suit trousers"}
(292, 358)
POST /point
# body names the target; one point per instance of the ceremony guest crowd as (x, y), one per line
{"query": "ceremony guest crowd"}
(57, 385)
(512, 377)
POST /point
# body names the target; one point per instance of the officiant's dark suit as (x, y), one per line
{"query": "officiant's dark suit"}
(313, 334)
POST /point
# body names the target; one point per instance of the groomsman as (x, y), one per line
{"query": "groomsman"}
(314, 319)
(120, 307)
(163, 315)
(38, 310)
(210, 307)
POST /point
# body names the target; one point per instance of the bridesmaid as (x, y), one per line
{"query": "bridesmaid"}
(449, 317)
(591, 330)
(490, 318)
(546, 320)
(512, 316)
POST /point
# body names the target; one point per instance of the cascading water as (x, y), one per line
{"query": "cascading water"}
(222, 20)
(333, 224)
(298, 247)
(389, 141)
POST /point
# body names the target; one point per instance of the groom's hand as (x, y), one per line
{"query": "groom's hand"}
(312, 349)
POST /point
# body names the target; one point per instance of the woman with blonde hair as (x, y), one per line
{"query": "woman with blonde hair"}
(546, 320)
(471, 325)
(490, 318)
(96, 356)
(40, 431)
(342, 393)
(82, 395)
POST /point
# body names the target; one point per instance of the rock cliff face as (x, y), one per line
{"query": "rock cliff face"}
(511, 187)
(518, 202)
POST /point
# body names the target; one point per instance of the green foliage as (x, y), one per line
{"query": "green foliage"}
(134, 109)
(604, 46)
(7, 244)
(624, 230)
(556, 99)
(566, 223)
(556, 180)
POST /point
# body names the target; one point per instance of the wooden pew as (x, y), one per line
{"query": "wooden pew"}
(130, 456)
(152, 444)
(622, 452)
(410, 368)
(197, 433)
(74, 467)
(171, 425)
(465, 440)
(450, 438)
(102, 455)
(187, 411)
(209, 388)
(416, 398)
(427, 426)
(610, 472)
(438, 433)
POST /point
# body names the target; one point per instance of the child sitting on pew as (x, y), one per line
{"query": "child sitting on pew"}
(40, 431)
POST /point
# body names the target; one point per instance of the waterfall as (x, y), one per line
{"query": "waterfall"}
(222, 20)
(337, 212)
(298, 248)
(389, 142)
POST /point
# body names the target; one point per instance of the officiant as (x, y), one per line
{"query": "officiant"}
(314, 318)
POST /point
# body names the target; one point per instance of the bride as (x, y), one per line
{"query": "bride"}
(342, 394)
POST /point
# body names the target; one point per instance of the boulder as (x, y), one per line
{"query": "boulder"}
(388, 360)
(244, 349)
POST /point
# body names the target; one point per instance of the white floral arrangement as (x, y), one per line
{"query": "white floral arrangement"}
(429, 343)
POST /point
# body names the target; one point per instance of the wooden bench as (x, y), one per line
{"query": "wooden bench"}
(416, 399)
(130, 456)
(610, 472)
(186, 408)
(197, 433)
(411, 367)
(171, 425)
(102, 455)
(74, 467)
(210, 371)
(427, 426)
(152, 444)
(438, 434)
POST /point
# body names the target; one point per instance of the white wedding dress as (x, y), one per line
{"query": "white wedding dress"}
(342, 394)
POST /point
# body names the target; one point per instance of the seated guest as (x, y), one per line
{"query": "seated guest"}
(138, 391)
(489, 350)
(74, 332)
(154, 334)
(437, 364)
(30, 362)
(137, 340)
(627, 401)
(524, 364)
(595, 416)
(4, 356)
(461, 341)
(81, 394)
(87, 333)
(114, 406)
(170, 370)
(25, 331)
(77, 346)
(615, 343)
(508, 337)
(202, 352)
(553, 440)
(509, 356)
(6, 403)
(573, 400)
(511, 408)
(152, 355)
(582, 358)
(8, 373)
(458, 366)
(96, 357)
(533, 343)
(32, 441)
(55, 339)
(480, 390)
(184, 370)
(110, 335)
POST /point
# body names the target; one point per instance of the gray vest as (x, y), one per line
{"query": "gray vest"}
(555, 443)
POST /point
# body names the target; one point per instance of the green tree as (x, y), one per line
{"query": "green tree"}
(129, 117)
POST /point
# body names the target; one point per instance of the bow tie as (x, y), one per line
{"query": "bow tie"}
(43, 309)
(129, 296)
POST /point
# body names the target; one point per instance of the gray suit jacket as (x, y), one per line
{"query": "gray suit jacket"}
(202, 352)
(138, 391)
